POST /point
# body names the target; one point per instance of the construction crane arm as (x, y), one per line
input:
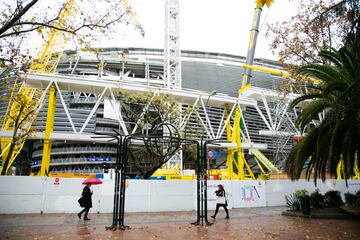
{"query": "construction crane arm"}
(47, 61)
(261, 3)
(133, 17)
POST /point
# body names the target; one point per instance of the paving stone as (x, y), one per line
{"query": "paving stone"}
(245, 223)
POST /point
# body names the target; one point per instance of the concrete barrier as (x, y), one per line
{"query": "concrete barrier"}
(22, 194)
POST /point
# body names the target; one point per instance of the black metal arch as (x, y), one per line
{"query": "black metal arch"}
(120, 174)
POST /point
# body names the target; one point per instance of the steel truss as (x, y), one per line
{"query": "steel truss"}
(172, 52)
(278, 119)
(107, 88)
(100, 88)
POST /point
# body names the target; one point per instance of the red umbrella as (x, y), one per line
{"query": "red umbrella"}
(92, 181)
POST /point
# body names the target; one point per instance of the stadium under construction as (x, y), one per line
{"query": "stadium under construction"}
(209, 81)
(81, 96)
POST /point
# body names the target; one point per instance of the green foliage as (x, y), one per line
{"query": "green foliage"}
(190, 153)
(350, 199)
(357, 203)
(317, 200)
(301, 193)
(20, 116)
(145, 112)
(292, 202)
(337, 136)
(333, 199)
(158, 108)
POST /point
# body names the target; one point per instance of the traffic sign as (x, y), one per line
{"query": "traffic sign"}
(57, 181)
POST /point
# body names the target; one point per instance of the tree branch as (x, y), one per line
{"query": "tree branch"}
(26, 117)
(16, 17)
(19, 32)
(48, 24)
(98, 25)
(291, 49)
(326, 12)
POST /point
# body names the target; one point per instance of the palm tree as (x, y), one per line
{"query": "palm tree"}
(337, 137)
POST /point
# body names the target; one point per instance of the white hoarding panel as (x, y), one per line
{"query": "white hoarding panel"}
(174, 195)
(249, 193)
(51, 195)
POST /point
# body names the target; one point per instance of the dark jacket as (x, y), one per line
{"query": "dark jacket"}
(220, 192)
(86, 195)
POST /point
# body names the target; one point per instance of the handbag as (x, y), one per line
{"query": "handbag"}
(221, 200)
(81, 202)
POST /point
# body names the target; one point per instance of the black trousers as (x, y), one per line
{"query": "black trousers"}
(221, 205)
(86, 211)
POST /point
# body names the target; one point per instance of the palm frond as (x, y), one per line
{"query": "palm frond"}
(332, 57)
(311, 112)
(325, 73)
(337, 137)
(301, 153)
(303, 98)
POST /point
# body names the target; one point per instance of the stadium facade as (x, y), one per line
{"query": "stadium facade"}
(200, 71)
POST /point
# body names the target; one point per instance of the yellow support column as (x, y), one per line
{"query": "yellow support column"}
(339, 171)
(45, 162)
(46, 62)
(356, 171)
(237, 138)
(230, 156)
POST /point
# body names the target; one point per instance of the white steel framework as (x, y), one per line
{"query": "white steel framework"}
(106, 87)
(172, 52)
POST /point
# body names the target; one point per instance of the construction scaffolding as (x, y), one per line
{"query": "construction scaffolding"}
(255, 126)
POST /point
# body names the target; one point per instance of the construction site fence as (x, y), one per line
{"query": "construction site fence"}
(26, 194)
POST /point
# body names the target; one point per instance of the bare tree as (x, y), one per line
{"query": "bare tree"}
(23, 110)
(23, 21)
(318, 25)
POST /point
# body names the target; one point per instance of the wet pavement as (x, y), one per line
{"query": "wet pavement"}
(245, 223)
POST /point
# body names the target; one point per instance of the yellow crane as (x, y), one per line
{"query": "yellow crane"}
(47, 61)
(133, 17)
(236, 156)
(246, 77)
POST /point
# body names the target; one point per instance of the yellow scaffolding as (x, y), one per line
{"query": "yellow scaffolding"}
(49, 57)
(340, 171)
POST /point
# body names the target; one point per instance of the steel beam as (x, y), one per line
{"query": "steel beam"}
(96, 85)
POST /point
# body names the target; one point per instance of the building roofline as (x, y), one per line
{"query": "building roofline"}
(193, 53)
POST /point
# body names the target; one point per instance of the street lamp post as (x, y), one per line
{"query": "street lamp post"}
(207, 101)
(213, 93)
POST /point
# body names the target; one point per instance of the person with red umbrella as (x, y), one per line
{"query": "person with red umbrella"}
(85, 200)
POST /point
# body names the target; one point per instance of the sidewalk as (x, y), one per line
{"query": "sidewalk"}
(245, 223)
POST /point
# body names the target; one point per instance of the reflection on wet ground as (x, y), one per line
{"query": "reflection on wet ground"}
(249, 223)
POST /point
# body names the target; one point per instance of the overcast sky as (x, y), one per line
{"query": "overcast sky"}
(205, 25)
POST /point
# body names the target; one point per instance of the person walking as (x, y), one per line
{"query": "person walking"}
(221, 201)
(85, 201)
